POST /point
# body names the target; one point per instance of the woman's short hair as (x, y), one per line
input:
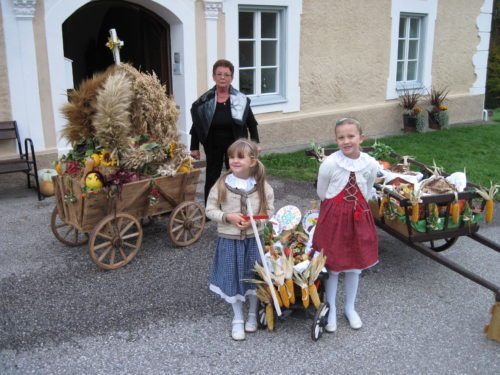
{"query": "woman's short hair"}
(225, 63)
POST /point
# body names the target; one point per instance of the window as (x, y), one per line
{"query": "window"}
(262, 40)
(412, 42)
(408, 63)
(259, 56)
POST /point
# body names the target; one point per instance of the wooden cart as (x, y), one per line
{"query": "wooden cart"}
(431, 241)
(110, 221)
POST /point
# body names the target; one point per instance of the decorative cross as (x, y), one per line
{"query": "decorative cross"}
(114, 44)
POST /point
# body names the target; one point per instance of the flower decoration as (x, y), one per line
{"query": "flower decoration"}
(154, 195)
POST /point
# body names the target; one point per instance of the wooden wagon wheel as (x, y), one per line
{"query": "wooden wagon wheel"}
(186, 223)
(66, 233)
(441, 244)
(115, 241)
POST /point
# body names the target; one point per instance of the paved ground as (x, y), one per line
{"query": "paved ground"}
(60, 314)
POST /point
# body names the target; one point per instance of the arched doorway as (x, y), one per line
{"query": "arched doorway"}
(146, 37)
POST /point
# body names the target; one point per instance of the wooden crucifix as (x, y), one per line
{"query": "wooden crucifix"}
(114, 44)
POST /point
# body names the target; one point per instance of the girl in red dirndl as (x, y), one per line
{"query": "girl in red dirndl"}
(346, 229)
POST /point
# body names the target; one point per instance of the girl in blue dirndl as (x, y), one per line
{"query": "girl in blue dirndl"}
(236, 249)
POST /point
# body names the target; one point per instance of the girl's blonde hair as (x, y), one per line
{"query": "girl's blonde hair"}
(241, 148)
(349, 120)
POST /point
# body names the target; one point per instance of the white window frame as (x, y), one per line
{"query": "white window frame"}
(427, 10)
(288, 99)
(417, 82)
(279, 94)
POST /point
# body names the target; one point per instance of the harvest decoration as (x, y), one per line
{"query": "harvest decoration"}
(122, 121)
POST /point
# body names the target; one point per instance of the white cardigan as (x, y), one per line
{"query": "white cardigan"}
(334, 174)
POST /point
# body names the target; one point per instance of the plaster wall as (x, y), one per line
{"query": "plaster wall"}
(344, 72)
(455, 43)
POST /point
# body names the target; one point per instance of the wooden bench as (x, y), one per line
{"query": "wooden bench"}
(26, 162)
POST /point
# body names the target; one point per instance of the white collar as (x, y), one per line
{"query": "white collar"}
(352, 165)
(240, 183)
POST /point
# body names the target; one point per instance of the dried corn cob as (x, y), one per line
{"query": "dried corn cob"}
(488, 196)
(305, 296)
(455, 212)
(415, 205)
(283, 293)
(270, 317)
(291, 290)
(381, 208)
(313, 293)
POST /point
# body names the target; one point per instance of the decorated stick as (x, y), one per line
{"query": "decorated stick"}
(114, 44)
(263, 257)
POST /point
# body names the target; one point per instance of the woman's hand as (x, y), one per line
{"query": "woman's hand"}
(238, 220)
(195, 154)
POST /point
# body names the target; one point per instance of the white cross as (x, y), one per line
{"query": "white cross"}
(114, 44)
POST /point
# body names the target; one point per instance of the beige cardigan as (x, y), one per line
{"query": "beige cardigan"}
(236, 202)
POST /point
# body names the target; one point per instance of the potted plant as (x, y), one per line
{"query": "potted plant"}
(409, 100)
(438, 111)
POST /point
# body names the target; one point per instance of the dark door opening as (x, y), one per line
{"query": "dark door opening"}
(146, 39)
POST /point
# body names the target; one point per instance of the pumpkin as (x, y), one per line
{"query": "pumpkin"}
(45, 181)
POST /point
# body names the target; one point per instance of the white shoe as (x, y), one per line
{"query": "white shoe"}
(331, 327)
(238, 332)
(251, 323)
(354, 320)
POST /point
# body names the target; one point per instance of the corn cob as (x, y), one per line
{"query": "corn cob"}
(284, 295)
(317, 264)
(313, 293)
(415, 212)
(381, 208)
(488, 196)
(290, 289)
(270, 317)
(305, 297)
(455, 212)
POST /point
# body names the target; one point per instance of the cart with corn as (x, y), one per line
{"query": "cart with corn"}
(291, 274)
(126, 166)
(429, 209)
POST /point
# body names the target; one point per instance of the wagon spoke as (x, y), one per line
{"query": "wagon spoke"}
(175, 229)
(131, 235)
(112, 257)
(66, 234)
(131, 245)
(124, 256)
(101, 245)
(197, 218)
(105, 252)
(105, 236)
(124, 230)
(62, 225)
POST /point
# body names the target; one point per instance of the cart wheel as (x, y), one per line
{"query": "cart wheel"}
(66, 233)
(442, 244)
(320, 321)
(186, 223)
(115, 241)
(261, 316)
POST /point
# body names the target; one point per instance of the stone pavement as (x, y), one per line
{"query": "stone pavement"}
(60, 314)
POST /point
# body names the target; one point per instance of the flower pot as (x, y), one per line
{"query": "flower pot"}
(433, 121)
(409, 123)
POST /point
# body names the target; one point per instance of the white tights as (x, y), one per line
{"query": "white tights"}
(238, 307)
(351, 281)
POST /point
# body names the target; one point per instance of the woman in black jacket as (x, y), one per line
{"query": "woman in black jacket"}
(220, 116)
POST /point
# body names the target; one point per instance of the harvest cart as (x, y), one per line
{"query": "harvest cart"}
(430, 241)
(319, 316)
(110, 221)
